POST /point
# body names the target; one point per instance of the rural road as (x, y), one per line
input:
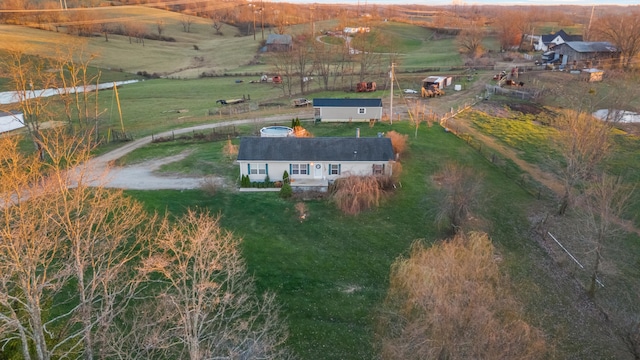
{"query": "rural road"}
(142, 176)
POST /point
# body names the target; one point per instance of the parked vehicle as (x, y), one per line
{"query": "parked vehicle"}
(301, 102)
(366, 86)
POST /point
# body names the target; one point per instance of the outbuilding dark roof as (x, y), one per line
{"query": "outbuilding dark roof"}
(347, 102)
(315, 149)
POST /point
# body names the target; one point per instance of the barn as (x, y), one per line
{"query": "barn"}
(586, 54)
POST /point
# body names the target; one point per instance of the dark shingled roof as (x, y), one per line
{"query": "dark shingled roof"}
(546, 39)
(347, 102)
(315, 149)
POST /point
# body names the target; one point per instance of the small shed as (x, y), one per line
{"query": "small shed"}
(278, 42)
(439, 82)
(347, 110)
(592, 75)
(11, 120)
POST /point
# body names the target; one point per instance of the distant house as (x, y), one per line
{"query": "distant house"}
(314, 162)
(277, 42)
(347, 110)
(581, 54)
(546, 42)
(11, 121)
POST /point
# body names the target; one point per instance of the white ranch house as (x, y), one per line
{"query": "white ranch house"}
(313, 163)
(347, 110)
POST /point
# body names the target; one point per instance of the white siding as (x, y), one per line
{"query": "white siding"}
(277, 169)
(342, 114)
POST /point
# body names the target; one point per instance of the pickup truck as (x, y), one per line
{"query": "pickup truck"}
(301, 102)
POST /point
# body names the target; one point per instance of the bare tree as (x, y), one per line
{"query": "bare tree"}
(216, 23)
(73, 66)
(460, 190)
(623, 31)
(508, 28)
(323, 60)
(186, 21)
(605, 201)
(451, 301)
(28, 75)
(211, 309)
(284, 64)
(56, 232)
(160, 26)
(303, 60)
(369, 48)
(470, 42)
(584, 143)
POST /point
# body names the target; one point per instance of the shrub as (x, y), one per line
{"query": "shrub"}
(245, 181)
(210, 185)
(286, 191)
(285, 177)
(398, 141)
(354, 194)
(267, 181)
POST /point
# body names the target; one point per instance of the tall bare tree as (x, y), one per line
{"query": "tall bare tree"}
(605, 201)
(451, 301)
(460, 192)
(303, 60)
(368, 49)
(186, 21)
(584, 143)
(470, 42)
(28, 76)
(623, 31)
(56, 232)
(211, 308)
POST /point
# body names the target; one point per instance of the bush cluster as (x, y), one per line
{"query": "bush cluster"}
(145, 74)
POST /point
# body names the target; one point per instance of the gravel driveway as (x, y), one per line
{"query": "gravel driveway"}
(141, 176)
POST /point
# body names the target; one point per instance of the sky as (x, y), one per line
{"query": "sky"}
(470, 2)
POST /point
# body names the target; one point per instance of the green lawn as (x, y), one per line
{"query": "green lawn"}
(331, 271)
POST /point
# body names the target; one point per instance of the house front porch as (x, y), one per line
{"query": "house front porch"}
(320, 184)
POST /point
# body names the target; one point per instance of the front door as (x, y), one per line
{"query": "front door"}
(317, 171)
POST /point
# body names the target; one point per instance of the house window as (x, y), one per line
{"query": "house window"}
(316, 112)
(334, 169)
(362, 110)
(299, 169)
(256, 168)
(378, 169)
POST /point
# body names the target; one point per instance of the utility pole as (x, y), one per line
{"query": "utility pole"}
(313, 25)
(262, 18)
(391, 74)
